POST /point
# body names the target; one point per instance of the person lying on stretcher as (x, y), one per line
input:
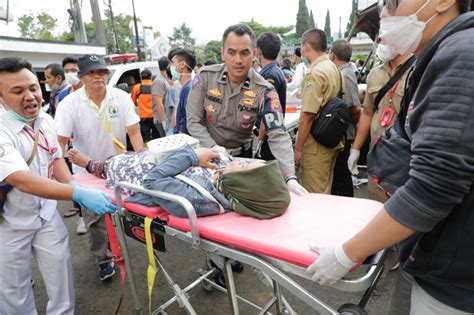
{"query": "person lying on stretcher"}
(211, 181)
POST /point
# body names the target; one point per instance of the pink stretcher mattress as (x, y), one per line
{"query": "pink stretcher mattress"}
(311, 219)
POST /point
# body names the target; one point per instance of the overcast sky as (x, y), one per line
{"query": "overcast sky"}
(207, 18)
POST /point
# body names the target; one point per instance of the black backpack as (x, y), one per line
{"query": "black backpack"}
(330, 126)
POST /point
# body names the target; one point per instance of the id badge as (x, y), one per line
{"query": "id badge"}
(386, 117)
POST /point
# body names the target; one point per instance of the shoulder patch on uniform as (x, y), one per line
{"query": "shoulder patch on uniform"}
(275, 104)
(197, 80)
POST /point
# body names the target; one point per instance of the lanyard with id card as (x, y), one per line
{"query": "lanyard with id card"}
(388, 112)
(118, 145)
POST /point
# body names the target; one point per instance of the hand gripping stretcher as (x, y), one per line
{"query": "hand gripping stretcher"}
(275, 247)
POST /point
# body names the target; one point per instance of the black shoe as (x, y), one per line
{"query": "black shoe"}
(237, 266)
(219, 278)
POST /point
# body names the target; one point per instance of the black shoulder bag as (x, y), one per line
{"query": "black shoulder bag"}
(388, 162)
(330, 126)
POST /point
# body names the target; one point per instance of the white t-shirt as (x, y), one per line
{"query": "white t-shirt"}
(77, 118)
(25, 211)
(298, 77)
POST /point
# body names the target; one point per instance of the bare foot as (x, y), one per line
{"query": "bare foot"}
(78, 158)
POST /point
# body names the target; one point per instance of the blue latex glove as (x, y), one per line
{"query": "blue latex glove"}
(170, 131)
(72, 182)
(94, 200)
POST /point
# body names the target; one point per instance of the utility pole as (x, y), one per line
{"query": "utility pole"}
(137, 38)
(78, 23)
(99, 28)
(114, 29)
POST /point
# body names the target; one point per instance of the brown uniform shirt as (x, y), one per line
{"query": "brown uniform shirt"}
(376, 80)
(321, 83)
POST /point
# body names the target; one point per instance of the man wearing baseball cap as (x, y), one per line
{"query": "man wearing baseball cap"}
(97, 118)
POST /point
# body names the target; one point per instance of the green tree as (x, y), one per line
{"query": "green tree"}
(355, 5)
(182, 37)
(39, 26)
(327, 25)
(311, 20)
(212, 51)
(124, 32)
(302, 18)
(259, 28)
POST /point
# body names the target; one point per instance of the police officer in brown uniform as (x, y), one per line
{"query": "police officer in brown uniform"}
(321, 83)
(227, 99)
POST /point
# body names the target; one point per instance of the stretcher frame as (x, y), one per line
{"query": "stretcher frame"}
(223, 255)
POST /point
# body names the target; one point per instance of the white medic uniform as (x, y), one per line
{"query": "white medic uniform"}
(31, 225)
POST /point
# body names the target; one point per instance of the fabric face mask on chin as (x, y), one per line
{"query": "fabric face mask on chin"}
(403, 33)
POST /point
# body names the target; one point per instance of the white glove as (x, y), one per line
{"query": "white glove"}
(331, 265)
(219, 149)
(352, 161)
(296, 188)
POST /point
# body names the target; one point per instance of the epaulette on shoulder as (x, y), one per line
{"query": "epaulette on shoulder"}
(213, 68)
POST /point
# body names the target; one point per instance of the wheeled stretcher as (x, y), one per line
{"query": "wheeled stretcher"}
(275, 247)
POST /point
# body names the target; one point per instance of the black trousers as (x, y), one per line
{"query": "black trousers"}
(148, 130)
(342, 177)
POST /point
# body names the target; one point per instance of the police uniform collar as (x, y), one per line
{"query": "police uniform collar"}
(17, 126)
(246, 83)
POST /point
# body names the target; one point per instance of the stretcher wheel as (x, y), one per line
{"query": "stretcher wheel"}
(351, 309)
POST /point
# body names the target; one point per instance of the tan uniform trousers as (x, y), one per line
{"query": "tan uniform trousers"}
(317, 165)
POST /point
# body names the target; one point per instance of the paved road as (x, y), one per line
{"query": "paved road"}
(95, 297)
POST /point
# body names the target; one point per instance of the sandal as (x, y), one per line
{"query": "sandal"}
(71, 212)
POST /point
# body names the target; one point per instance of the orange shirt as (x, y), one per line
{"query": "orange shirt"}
(143, 101)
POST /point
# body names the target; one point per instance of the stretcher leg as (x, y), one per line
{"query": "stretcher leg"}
(229, 278)
(277, 293)
(181, 295)
(124, 249)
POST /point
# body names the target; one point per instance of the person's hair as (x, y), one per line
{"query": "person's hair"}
(199, 65)
(67, 60)
(209, 62)
(464, 6)
(163, 63)
(14, 65)
(239, 30)
(316, 39)
(269, 43)
(172, 52)
(342, 49)
(146, 74)
(188, 56)
(56, 70)
(298, 51)
(286, 63)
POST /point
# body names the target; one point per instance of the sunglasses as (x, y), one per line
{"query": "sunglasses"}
(390, 5)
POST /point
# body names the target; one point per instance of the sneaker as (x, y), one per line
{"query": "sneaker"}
(106, 270)
(81, 226)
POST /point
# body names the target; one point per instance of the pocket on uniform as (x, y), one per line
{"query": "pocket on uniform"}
(212, 109)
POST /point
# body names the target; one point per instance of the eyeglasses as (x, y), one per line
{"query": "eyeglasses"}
(390, 5)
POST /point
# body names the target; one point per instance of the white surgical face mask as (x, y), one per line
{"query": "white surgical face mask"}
(386, 53)
(403, 33)
(72, 78)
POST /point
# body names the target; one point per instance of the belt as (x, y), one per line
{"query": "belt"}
(237, 151)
